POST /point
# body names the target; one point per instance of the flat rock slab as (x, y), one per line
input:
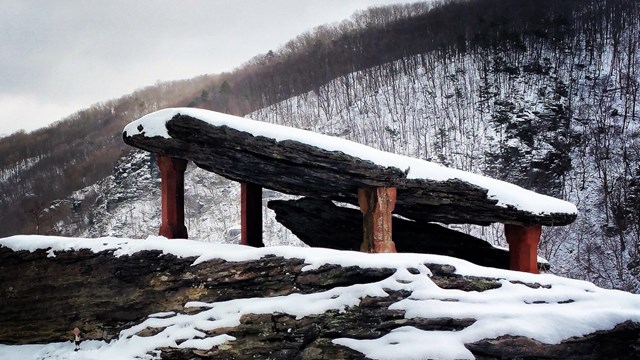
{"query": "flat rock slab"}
(298, 168)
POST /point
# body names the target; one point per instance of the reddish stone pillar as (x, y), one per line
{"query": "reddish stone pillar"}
(523, 247)
(172, 174)
(251, 214)
(376, 205)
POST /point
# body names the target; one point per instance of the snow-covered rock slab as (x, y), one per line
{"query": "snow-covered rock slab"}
(183, 299)
(300, 162)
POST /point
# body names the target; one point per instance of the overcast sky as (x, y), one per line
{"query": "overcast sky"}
(57, 57)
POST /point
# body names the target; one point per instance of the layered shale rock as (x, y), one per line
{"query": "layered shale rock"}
(293, 303)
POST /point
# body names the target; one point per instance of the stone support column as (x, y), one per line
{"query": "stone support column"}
(376, 205)
(251, 214)
(172, 175)
(523, 247)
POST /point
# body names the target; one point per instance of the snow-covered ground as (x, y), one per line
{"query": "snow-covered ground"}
(560, 309)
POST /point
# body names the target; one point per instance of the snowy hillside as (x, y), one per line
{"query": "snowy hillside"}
(522, 125)
(553, 109)
(557, 123)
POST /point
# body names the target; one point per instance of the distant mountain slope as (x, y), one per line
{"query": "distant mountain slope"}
(51, 163)
(561, 117)
(81, 149)
(541, 93)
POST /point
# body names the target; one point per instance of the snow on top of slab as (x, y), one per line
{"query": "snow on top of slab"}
(561, 309)
(507, 194)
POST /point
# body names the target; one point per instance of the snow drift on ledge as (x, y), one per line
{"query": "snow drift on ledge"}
(505, 193)
(560, 309)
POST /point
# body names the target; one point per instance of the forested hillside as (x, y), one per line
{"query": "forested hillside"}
(552, 108)
(46, 165)
(541, 93)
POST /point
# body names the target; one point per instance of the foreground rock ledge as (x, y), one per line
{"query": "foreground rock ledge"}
(43, 297)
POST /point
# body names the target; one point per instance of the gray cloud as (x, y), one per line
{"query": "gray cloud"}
(59, 56)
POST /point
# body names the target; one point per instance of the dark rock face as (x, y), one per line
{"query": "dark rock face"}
(42, 298)
(596, 346)
(322, 224)
(295, 168)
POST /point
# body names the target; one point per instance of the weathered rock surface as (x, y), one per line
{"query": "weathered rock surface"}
(43, 297)
(308, 218)
(295, 168)
(104, 294)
